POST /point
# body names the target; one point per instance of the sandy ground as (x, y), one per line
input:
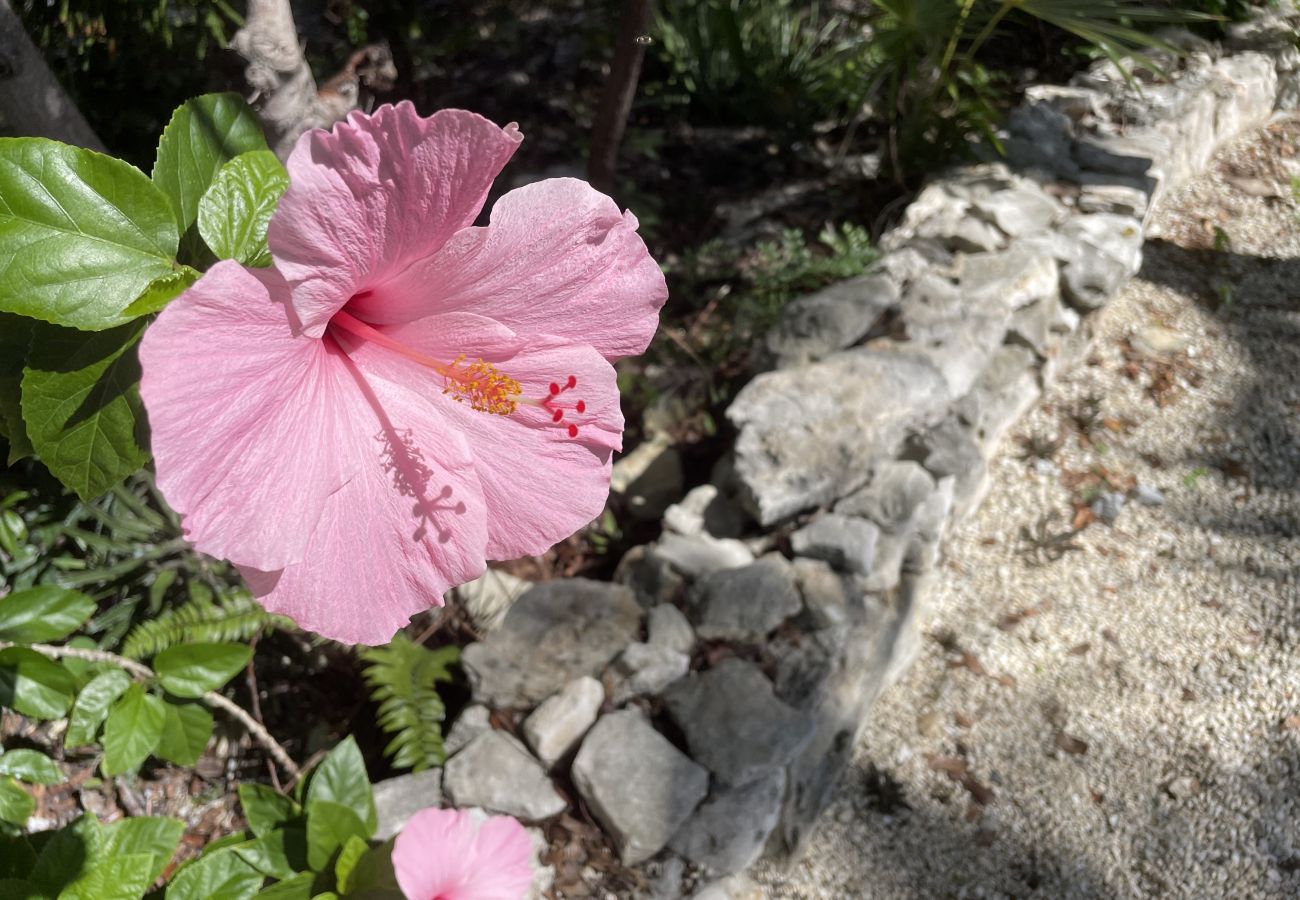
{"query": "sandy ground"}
(1117, 713)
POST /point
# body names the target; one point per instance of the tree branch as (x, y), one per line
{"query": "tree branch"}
(212, 698)
(283, 90)
(620, 89)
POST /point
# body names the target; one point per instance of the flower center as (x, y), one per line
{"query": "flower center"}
(480, 384)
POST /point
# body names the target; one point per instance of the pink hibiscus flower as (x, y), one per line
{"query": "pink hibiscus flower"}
(402, 395)
(442, 854)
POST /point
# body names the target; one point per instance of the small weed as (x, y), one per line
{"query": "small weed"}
(1192, 477)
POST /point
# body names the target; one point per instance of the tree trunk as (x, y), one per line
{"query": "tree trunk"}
(620, 89)
(32, 102)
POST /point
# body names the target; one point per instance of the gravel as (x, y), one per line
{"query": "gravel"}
(1117, 714)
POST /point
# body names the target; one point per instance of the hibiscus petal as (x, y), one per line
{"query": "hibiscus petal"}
(502, 870)
(410, 525)
(243, 418)
(376, 193)
(556, 258)
(434, 854)
(539, 484)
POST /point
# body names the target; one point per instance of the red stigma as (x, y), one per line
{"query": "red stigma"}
(552, 404)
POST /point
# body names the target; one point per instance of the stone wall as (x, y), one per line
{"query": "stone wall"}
(703, 706)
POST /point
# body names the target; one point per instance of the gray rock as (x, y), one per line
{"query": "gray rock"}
(1105, 250)
(472, 721)
(1021, 210)
(734, 724)
(645, 669)
(397, 799)
(953, 331)
(942, 212)
(1005, 390)
(1041, 326)
(1078, 103)
(556, 632)
(1183, 787)
(1136, 154)
(825, 593)
(891, 497)
(702, 554)
(498, 773)
(1042, 137)
(1108, 506)
(847, 543)
(667, 627)
(637, 784)
(1146, 495)
(949, 449)
(649, 478)
(652, 577)
(1114, 198)
(727, 833)
(555, 727)
(809, 436)
(703, 511)
(836, 317)
(489, 597)
(746, 603)
(1012, 278)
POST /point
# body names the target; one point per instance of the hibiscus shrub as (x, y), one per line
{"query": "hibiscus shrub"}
(353, 395)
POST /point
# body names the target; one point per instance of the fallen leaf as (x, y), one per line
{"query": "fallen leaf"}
(961, 720)
(1072, 745)
(1110, 636)
(1080, 649)
(980, 793)
(1232, 468)
(1291, 723)
(952, 766)
(1189, 695)
(1005, 681)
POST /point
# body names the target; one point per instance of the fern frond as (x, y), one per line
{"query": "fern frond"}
(402, 677)
(233, 617)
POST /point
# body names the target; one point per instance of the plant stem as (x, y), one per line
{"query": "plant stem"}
(212, 698)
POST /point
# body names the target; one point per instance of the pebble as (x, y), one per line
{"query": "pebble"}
(1148, 496)
(1108, 506)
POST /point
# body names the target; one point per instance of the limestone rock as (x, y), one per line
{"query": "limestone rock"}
(734, 723)
(835, 317)
(953, 330)
(667, 627)
(825, 593)
(489, 597)
(1012, 278)
(399, 798)
(703, 511)
(847, 543)
(746, 603)
(1006, 388)
(556, 632)
(727, 833)
(638, 785)
(644, 669)
(892, 496)
(498, 773)
(699, 555)
(472, 721)
(950, 450)
(651, 576)
(555, 727)
(809, 436)
(1042, 325)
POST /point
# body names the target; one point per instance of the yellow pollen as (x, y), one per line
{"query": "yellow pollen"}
(483, 386)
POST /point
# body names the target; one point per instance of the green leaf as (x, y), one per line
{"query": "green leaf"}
(234, 212)
(81, 401)
(191, 670)
(162, 291)
(12, 427)
(16, 805)
(92, 705)
(81, 234)
(281, 854)
(186, 732)
(30, 766)
(403, 678)
(203, 135)
(341, 778)
(43, 613)
(266, 809)
(132, 731)
(353, 849)
(373, 878)
(67, 854)
(329, 825)
(156, 836)
(221, 876)
(296, 888)
(16, 857)
(117, 877)
(18, 889)
(33, 685)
